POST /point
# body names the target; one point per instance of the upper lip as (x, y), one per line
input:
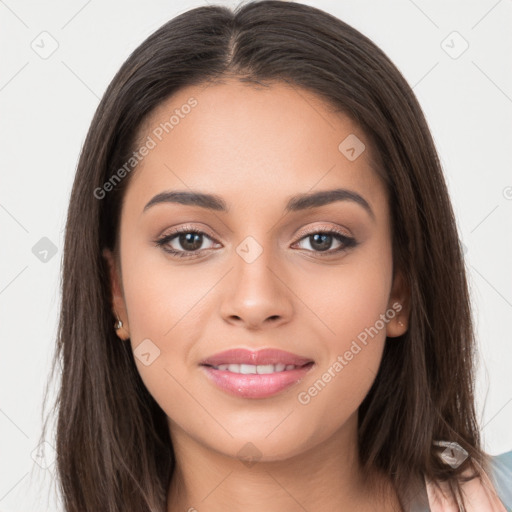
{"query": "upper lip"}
(260, 357)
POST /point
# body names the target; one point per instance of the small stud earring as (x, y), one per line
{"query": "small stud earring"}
(400, 323)
(118, 324)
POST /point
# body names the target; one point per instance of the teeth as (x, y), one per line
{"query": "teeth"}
(264, 368)
(247, 368)
(260, 369)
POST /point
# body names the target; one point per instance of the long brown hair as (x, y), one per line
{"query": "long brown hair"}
(114, 451)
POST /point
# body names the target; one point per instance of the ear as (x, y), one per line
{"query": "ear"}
(116, 295)
(399, 301)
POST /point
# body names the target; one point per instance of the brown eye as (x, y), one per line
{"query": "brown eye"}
(322, 241)
(190, 241)
(184, 242)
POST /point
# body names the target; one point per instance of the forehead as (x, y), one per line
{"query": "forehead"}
(240, 139)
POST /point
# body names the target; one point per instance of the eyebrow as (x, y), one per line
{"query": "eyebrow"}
(295, 203)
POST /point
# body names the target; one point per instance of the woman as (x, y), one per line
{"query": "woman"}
(264, 296)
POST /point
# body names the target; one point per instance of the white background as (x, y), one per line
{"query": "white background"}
(46, 108)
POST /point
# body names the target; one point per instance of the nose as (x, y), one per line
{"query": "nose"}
(257, 294)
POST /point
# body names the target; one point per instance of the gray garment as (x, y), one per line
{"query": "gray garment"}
(501, 476)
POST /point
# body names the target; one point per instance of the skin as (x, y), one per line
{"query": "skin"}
(255, 147)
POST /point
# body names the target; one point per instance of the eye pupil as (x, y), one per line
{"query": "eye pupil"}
(195, 239)
(319, 241)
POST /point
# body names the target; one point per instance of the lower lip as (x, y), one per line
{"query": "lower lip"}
(254, 385)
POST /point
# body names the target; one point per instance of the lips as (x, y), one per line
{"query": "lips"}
(260, 358)
(261, 374)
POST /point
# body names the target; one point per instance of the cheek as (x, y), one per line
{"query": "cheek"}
(165, 313)
(353, 312)
(343, 300)
(161, 295)
(162, 306)
(164, 320)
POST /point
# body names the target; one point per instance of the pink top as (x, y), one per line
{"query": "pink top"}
(480, 495)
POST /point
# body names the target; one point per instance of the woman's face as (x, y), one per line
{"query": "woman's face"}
(259, 275)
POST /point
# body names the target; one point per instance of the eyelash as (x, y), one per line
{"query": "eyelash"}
(347, 242)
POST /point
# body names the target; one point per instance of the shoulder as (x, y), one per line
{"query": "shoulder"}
(499, 472)
(501, 476)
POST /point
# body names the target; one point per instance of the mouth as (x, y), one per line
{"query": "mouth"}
(260, 374)
(265, 357)
(260, 369)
